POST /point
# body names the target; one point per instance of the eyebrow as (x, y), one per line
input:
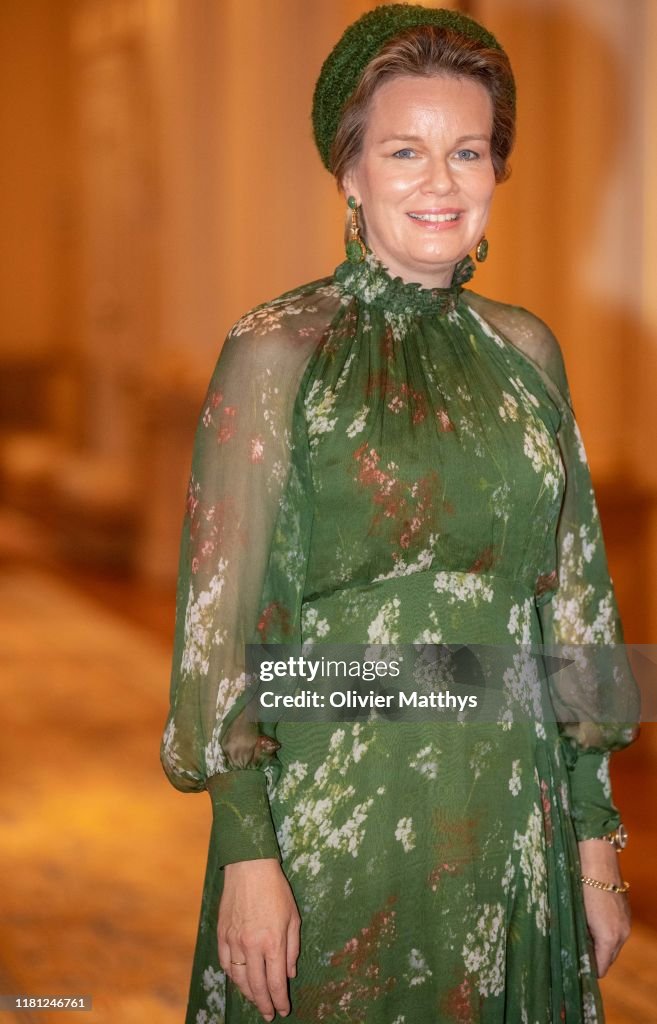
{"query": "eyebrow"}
(416, 138)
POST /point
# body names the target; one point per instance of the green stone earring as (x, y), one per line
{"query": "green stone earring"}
(481, 252)
(356, 250)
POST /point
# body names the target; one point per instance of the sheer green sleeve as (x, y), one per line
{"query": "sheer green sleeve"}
(595, 698)
(245, 474)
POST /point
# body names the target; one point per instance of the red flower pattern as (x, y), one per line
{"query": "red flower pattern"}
(207, 524)
(410, 505)
(485, 561)
(226, 422)
(458, 1003)
(546, 581)
(399, 395)
(274, 615)
(445, 421)
(456, 845)
(350, 997)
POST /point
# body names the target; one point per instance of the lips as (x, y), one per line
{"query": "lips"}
(435, 216)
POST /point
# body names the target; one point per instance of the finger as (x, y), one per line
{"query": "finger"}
(225, 957)
(604, 958)
(240, 979)
(277, 981)
(293, 946)
(257, 979)
(597, 959)
(235, 971)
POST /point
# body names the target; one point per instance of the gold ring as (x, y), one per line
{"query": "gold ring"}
(239, 963)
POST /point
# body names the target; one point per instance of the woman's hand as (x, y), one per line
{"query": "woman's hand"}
(259, 923)
(607, 913)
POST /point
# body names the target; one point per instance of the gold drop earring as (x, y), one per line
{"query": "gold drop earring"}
(355, 247)
(481, 252)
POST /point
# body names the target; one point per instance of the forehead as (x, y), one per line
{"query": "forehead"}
(410, 103)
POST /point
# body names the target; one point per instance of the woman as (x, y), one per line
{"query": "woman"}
(384, 456)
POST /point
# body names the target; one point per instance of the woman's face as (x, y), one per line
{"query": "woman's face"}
(425, 177)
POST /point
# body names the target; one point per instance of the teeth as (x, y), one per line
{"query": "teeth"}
(434, 218)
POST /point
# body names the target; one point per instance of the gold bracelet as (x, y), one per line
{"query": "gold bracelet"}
(607, 886)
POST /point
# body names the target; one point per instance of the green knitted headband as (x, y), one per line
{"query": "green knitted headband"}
(361, 42)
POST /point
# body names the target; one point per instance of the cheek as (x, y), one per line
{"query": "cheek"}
(480, 190)
(486, 185)
(393, 180)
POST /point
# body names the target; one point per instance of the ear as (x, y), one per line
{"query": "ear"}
(349, 187)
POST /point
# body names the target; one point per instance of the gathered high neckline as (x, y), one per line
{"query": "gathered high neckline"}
(373, 283)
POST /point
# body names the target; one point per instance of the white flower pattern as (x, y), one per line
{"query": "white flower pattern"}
(384, 464)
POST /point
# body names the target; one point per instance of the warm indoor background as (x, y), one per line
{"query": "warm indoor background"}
(158, 177)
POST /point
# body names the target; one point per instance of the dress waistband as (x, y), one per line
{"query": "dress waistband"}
(431, 606)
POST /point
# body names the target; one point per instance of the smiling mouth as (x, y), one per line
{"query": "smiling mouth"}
(434, 218)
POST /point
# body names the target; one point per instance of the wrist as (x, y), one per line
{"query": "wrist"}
(618, 887)
(238, 866)
(599, 860)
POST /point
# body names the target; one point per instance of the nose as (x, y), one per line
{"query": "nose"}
(439, 177)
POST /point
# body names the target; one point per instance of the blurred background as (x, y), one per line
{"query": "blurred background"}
(158, 178)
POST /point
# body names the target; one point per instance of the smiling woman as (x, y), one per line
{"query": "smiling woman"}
(385, 457)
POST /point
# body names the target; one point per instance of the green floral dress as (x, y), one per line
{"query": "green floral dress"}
(381, 463)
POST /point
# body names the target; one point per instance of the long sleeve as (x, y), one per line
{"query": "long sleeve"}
(246, 472)
(595, 699)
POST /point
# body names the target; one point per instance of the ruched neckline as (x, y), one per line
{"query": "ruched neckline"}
(373, 283)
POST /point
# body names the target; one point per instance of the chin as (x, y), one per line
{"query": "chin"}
(437, 259)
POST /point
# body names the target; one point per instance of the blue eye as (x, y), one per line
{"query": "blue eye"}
(400, 153)
(468, 154)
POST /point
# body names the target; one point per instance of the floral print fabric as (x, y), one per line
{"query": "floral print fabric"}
(377, 462)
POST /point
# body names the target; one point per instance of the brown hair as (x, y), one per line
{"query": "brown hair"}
(424, 51)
